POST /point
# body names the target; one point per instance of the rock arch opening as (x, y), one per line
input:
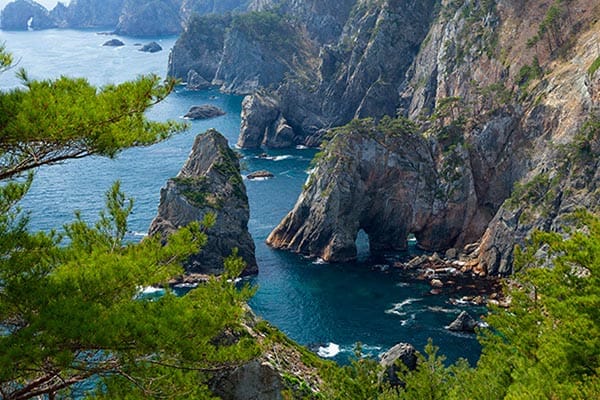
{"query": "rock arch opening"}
(363, 248)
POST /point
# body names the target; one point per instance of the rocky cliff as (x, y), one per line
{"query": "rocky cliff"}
(209, 183)
(25, 14)
(505, 101)
(125, 17)
(320, 63)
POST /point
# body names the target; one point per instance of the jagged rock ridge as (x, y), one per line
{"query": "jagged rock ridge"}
(521, 156)
(209, 182)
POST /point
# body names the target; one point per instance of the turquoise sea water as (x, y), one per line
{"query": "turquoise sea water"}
(320, 305)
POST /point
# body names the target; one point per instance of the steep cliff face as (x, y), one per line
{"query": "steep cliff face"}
(356, 76)
(209, 183)
(392, 179)
(156, 17)
(25, 14)
(93, 14)
(506, 100)
(126, 17)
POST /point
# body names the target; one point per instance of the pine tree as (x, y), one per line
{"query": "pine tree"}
(71, 315)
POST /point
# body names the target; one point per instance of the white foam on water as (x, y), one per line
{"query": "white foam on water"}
(139, 234)
(151, 290)
(257, 179)
(186, 285)
(397, 307)
(443, 310)
(279, 158)
(410, 320)
(329, 351)
(301, 147)
(320, 261)
(403, 284)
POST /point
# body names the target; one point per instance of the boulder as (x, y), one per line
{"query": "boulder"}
(113, 43)
(463, 323)
(403, 353)
(195, 81)
(252, 380)
(204, 111)
(260, 174)
(151, 47)
(209, 183)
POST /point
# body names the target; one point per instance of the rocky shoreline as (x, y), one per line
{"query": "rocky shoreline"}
(457, 271)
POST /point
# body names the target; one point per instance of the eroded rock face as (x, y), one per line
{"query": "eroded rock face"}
(389, 185)
(263, 124)
(209, 182)
(25, 14)
(404, 353)
(510, 169)
(153, 18)
(253, 380)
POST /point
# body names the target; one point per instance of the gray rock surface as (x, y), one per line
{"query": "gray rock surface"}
(463, 323)
(263, 124)
(195, 81)
(260, 174)
(113, 43)
(251, 381)
(389, 184)
(151, 47)
(204, 111)
(403, 353)
(209, 182)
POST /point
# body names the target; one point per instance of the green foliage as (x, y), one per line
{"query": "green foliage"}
(207, 30)
(267, 27)
(196, 190)
(547, 344)
(70, 311)
(536, 192)
(55, 120)
(70, 304)
(554, 27)
(359, 380)
(397, 127)
(528, 73)
(594, 67)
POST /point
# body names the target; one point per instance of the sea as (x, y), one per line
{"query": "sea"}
(328, 307)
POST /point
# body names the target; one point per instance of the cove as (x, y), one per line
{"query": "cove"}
(319, 305)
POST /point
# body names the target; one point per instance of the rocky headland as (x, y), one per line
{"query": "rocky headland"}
(492, 128)
(124, 17)
(209, 183)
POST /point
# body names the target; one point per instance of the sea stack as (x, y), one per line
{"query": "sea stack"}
(209, 182)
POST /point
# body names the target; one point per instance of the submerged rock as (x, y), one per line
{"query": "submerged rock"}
(209, 182)
(151, 47)
(113, 43)
(204, 111)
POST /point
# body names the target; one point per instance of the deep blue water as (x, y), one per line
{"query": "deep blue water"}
(313, 303)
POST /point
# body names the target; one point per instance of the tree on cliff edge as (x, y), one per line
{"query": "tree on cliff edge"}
(71, 318)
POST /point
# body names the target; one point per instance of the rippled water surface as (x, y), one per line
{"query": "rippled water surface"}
(330, 307)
